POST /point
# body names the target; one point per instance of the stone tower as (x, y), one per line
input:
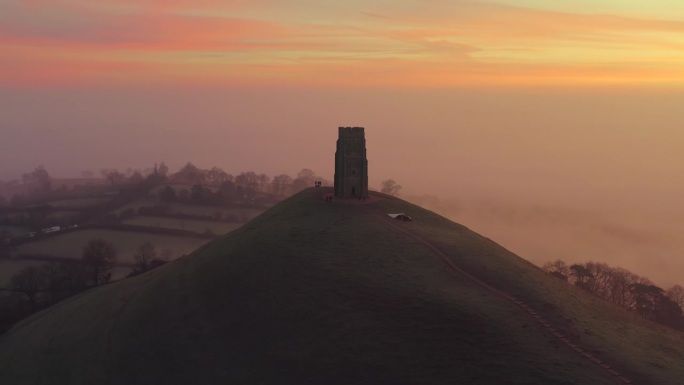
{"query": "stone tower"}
(351, 165)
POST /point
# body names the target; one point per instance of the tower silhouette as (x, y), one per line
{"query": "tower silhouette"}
(351, 165)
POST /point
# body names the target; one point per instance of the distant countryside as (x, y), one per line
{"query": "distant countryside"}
(61, 236)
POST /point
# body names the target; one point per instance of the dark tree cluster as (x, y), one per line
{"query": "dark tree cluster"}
(191, 174)
(146, 258)
(33, 187)
(215, 187)
(134, 176)
(390, 187)
(99, 257)
(624, 288)
(39, 180)
(36, 287)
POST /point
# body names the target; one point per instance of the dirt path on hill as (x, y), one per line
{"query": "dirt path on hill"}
(401, 227)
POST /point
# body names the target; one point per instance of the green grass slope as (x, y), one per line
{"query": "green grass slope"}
(317, 293)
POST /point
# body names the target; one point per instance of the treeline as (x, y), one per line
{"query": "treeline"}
(212, 186)
(36, 287)
(37, 215)
(38, 186)
(624, 288)
(245, 185)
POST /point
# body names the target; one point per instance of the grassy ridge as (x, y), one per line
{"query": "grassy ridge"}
(311, 292)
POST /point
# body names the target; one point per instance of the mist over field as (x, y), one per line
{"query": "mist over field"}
(547, 172)
(645, 242)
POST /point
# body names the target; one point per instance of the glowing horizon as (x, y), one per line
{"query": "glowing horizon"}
(379, 43)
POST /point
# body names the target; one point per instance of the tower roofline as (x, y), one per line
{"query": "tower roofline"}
(351, 131)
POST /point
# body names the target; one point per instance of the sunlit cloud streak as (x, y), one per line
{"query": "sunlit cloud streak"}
(408, 43)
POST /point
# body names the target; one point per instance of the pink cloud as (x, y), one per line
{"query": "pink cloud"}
(436, 45)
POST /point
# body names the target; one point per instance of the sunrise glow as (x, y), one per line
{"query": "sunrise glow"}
(387, 43)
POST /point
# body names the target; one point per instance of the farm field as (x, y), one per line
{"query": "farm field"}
(242, 214)
(12, 216)
(135, 205)
(67, 216)
(198, 226)
(239, 213)
(78, 203)
(70, 245)
(14, 230)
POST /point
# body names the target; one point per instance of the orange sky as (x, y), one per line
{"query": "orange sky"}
(389, 43)
(504, 105)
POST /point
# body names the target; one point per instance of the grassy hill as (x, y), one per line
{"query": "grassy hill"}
(316, 293)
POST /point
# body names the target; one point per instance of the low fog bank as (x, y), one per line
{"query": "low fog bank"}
(647, 242)
(550, 173)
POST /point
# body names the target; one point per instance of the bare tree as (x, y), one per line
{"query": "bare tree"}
(620, 283)
(73, 275)
(39, 177)
(390, 187)
(29, 281)
(263, 182)
(113, 176)
(216, 176)
(280, 184)
(558, 269)
(557, 266)
(307, 175)
(62, 279)
(247, 179)
(305, 178)
(136, 177)
(99, 257)
(189, 174)
(599, 282)
(144, 256)
(676, 294)
(162, 170)
(581, 274)
(625, 289)
(167, 194)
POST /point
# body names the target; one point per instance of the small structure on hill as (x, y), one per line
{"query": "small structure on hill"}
(351, 165)
(400, 217)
